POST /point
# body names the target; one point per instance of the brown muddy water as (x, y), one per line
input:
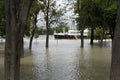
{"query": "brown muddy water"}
(64, 60)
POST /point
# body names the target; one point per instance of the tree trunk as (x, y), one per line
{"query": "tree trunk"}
(47, 27)
(34, 27)
(23, 14)
(82, 38)
(15, 18)
(33, 32)
(112, 29)
(80, 23)
(31, 39)
(102, 35)
(47, 38)
(12, 58)
(21, 48)
(92, 36)
(115, 65)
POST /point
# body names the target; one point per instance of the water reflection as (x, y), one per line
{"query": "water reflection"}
(64, 60)
(93, 65)
(42, 67)
(1, 59)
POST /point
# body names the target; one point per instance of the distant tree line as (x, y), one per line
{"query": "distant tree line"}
(42, 31)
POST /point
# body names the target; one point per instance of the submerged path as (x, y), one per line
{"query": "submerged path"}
(64, 60)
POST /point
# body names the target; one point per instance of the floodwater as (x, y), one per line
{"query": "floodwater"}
(64, 60)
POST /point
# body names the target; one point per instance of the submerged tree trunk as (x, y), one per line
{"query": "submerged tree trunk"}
(102, 35)
(33, 20)
(12, 58)
(33, 32)
(31, 38)
(82, 38)
(92, 36)
(47, 38)
(47, 27)
(115, 65)
(15, 18)
(22, 20)
(80, 23)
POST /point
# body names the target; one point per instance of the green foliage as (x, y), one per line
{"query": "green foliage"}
(35, 8)
(53, 12)
(58, 29)
(32, 17)
(98, 33)
(36, 35)
(94, 13)
(89, 14)
(41, 31)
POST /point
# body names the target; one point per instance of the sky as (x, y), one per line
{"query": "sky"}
(67, 16)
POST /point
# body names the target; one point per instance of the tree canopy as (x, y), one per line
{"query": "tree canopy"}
(96, 13)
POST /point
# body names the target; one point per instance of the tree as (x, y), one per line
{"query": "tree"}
(108, 17)
(97, 13)
(33, 19)
(51, 15)
(80, 9)
(86, 16)
(115, 65)
(16, 12)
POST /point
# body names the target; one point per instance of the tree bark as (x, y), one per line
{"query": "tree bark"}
(21, 47)
(15, 18)
(12, 58)
(80, 23)
(47, 27)
(115, 65)
(33, 32)
(102, 35)
(31, 38)
(92, 36)
(23, 14)
(112, 31)
(82, 38)
(47, 35)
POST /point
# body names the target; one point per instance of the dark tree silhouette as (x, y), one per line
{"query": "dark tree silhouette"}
(115, 65)
(16, 15)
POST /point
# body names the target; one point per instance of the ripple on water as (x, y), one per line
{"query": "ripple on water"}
(64, 60)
